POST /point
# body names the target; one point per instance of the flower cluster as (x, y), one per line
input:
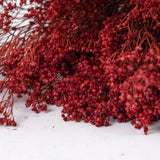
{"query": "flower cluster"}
(97, 59)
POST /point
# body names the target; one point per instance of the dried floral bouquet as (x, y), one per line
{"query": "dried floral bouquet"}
(96, 58)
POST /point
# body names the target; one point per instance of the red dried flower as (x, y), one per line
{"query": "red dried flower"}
(98, 59)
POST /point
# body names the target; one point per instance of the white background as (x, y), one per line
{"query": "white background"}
(45, 136)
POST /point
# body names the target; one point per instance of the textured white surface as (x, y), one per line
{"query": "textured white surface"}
(46, 136)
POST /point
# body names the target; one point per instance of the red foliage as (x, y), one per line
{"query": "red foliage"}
(98, 59)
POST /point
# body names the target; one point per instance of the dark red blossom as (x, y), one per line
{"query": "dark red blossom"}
(98, 59)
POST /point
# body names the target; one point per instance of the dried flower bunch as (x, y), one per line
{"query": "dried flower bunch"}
(96, 58)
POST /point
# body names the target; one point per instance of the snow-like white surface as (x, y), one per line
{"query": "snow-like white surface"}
(46, 136)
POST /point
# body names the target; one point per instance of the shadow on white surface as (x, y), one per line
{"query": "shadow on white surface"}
(46, 136)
